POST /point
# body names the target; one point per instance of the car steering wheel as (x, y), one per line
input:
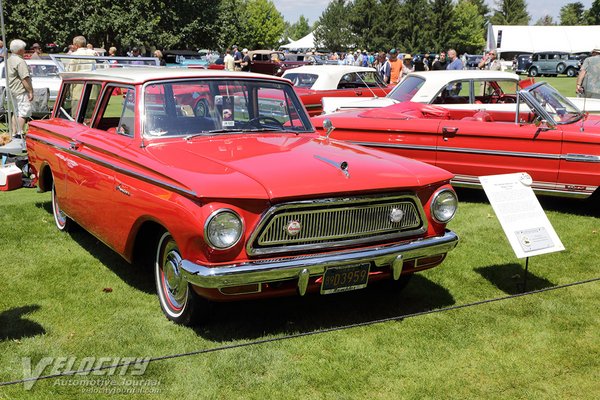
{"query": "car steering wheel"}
(266, 119)
(506, 99)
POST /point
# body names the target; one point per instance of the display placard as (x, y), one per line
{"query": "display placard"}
(521, 215)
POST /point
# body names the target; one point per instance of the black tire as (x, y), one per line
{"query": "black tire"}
(178, 301)
(533, 71)
(61, 220)
(201, 109)
(571, 72)
(561, 68)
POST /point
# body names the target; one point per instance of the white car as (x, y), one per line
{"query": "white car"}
(44, 74)
(464, 89)
(313, 82)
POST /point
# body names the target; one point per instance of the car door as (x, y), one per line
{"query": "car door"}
(94, 154)
(470, 148)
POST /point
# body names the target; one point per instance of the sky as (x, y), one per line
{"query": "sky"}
(312, 9)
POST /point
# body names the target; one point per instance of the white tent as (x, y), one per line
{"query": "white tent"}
(531, 39)
(305, 43)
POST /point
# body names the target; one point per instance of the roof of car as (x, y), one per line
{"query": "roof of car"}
(136, 75)
(328, 75)
(447, 75)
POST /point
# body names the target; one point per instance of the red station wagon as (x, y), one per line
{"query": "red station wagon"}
(229, 192)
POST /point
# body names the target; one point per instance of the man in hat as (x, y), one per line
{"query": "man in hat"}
(395, 67)
(407, 66)
(237, 58)
(37, 51)
(588, 80)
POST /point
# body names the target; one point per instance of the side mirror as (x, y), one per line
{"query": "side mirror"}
(544, 125)
(328, 126)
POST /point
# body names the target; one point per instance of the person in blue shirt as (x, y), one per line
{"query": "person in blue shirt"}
(455, 62)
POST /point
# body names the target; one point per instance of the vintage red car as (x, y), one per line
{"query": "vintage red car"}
(544, 135)
(313, 82)
(238, 198)
(272, 62)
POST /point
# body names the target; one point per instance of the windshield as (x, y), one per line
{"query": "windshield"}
(301, 79)
(211, 106)
(406, 89)
(545, 99)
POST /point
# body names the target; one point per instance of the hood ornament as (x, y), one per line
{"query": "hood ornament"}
(343, 166)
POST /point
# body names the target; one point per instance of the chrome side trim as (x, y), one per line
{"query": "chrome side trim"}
(124, 171)
(463, 150)
(582, 158)
(329, 202)
(293, 268)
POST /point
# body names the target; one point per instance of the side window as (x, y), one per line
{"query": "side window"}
(454, 93)
(92, 90)
(70, 100)
(118, 115)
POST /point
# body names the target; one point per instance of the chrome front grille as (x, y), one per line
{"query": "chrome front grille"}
(336, 222)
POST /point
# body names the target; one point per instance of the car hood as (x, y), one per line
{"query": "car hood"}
(278, 166)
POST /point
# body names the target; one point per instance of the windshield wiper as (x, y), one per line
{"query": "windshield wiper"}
(208, 133)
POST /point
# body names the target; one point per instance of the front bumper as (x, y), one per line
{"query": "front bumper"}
(302, 267)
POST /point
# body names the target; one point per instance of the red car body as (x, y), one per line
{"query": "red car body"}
(173, 193)
(555, 143)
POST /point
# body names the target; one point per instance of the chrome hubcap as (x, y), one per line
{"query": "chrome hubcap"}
(175, 285)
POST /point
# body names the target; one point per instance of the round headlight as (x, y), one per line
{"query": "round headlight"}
(223, 229)
(444, 205)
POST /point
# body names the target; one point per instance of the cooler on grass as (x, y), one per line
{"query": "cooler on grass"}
(10, 177)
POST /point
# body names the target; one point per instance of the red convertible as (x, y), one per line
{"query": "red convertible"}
(545, 135)
(230, 194)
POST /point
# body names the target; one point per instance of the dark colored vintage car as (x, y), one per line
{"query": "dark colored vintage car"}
(473, 60)
(522, 64)
(272, 62)
(544, 135)
(553, 63)
(219, 182)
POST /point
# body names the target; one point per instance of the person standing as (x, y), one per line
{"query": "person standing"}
(407, 67)
(395, 67)
(383, 67)
(490, 62)
(19, 84)
(161, 59)
(2, 50)
(588, 80)
(80, 49)
(245, 61)
(237, 58)
(37, 51)
(228, 61)
(455, 62)
(440, 63)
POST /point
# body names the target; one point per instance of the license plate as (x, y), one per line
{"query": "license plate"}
(345, 278)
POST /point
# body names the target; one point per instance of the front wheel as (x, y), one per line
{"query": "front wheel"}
(533, 71)
(571, 72)
(178, 300)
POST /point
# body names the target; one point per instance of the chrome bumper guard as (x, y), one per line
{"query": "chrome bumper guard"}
(302, 268)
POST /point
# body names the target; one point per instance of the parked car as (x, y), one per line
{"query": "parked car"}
(312, 82)
(473, 61)
(553, 63)
(185, 58)
(470, 90)
(237, 198)
(549, 138)
(523, 63)
(272, 62)
(44, 74)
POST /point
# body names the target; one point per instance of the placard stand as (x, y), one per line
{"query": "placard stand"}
(525, 275)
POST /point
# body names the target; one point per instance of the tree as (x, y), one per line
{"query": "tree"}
(232, 14)
(264, 26)
(592, 16)
(483, 8)
(332, 30)
(362, 17)
(298, 29)
(442, 15)
(389, 26)
(546, 20)
(415, 34)
(572, 14)
(468, 28)
(510, 12)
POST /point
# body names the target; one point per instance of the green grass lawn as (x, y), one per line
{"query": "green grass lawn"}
(55, 301)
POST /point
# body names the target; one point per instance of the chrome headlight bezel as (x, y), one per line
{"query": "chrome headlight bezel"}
(208, 229)
(440, 199)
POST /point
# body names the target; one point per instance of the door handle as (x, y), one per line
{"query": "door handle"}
(75, 145)
(359, 92)
(449, 131)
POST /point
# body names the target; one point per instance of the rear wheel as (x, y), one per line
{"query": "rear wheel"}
(533, 71)
(178, 300)
(561, 68)
(63, 223)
